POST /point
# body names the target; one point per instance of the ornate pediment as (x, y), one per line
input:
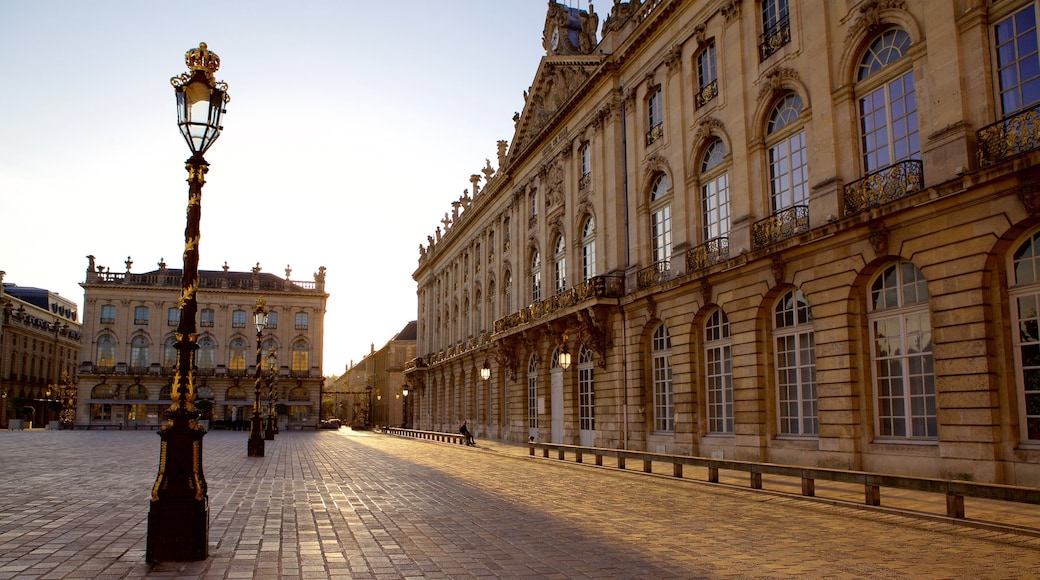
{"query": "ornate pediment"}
(557, 81)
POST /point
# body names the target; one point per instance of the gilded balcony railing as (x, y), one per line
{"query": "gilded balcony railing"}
(707, 254)
(593, 288)
(780, 226)
(883, 186)
(653, 274)
(1009, 137)
(655, 133)
(707, 93)
(774, 38)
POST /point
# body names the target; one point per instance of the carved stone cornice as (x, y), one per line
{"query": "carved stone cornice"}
(673, 60)
(730, 11)
(776, 81)
(879, 238)
(869, 18)
(779, 269)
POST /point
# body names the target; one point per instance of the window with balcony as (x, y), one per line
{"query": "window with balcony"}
(491, 300)
(661, 380)
(536, 276)
(238, 319)
(237, 355)
(1018, 62)
(588, 249)
(661, 220)
(173, 316)
(776, 27)
(795, 345)
(139, 354)
(715, 191)
(901, 336)
(718, 373)
(141, 315)
(507, 293)
(560, 264)
(302, 321)
(106, 352)
(170, 353)
(206, 317)
(888, 102)
(707, 75)
(788, 170)
(108, 314)
(300, 356)
(655, 116)
(272, 320)
(585, 179)
(205, 357)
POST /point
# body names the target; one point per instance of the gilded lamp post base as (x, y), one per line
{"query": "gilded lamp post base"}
(178, 519)
(256, 438)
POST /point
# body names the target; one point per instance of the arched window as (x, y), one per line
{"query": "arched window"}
(588, 248)
(139, 352)
(901, 335)
(661, 220)
(492, 312)
(1024, 295)
(106, 351)
(237, 358)
(788, 169)
(560, 264)
(532, 393)
(300, 352)
(102, 391)
(585, 154)
(298, 394)
(205, 357)
(887, 102)
(138, 412)
(715, 191)
(718, 372)
(661, 379)
(235, 393)
(586, 391)
(268, 346)
(136, 392)
(507, 294)
(478, 306)
(536, 276)
(170, 352)
(102, 411)
(795, 366)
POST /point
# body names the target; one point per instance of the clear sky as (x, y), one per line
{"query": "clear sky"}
(352, 127)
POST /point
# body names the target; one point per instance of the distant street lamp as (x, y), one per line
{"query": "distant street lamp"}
(404, 410)
(178, 518)
(256, 427)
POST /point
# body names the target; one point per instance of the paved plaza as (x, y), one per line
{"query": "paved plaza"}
(344, 504)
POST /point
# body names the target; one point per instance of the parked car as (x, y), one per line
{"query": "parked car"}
(331, 424)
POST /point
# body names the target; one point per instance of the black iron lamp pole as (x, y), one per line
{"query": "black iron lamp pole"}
(256, 427)
(272, 379)
(178, 517)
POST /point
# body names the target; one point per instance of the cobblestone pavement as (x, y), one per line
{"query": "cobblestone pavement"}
(344, 504)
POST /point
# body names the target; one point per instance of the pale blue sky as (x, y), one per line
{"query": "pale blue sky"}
(352, 127)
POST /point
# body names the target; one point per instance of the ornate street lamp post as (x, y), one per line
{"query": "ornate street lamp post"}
(256, 427)
(178, 518)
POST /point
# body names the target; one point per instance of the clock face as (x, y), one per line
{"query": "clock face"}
(556, 38)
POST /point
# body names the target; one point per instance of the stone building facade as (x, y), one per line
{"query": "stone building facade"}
(128, 358)
(801, 233)
(40, 338)
(374, 392)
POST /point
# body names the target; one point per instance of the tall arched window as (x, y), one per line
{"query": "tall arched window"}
(170, 353)
(887, 102)
(661, 379)
(205, 357)
(536, 276)
(718, 372)
(102, 411)
(269, 345)
(478, 310)
(532, 393)
(237, 356)
(300, 356)
(661, 220)
(795, 366)
(106, 351)
(588, 248)
(139, 352)
(492, 312)
(715, 191)
(901, 334)
(586, 391)
(788, 169)
(1024, 293)
(507, 294)
(560, 264)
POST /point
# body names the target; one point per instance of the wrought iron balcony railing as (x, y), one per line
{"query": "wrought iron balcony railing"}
(653, 274)
(707, 93)
(655, 133)
(775, 37)
(882, 186)
(707, 254)
(1008, 137)
(780, 226)
(593, 288)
